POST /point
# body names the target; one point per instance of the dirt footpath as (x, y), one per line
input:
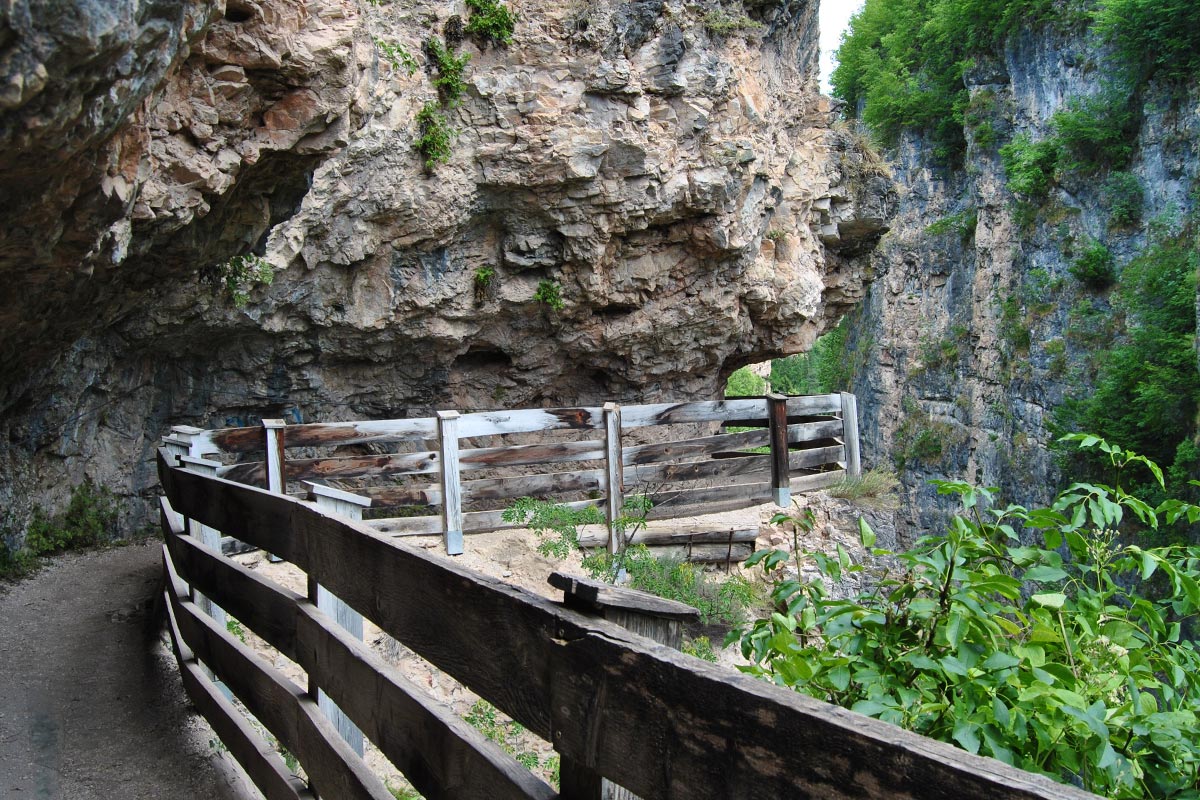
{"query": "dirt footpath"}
(91, 708)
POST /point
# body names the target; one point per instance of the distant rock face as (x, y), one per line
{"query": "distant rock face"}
(968, 340)
(682, 192)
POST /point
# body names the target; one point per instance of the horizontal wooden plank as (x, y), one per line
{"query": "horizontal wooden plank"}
(492, 423)
(807, 431)
(620, 705)
(407, 526)
(706, 553)
(544, 485)
(691, 448)
(307, 469)
(426, 494)
(473, 522)
(702, 411)
(671, 503)
(652, 535)
(526, 454)
(814, 404)
(815, 457)
(439, 753)
(320, 434)
(817, 481)
(282, 707)
(600, 596)
(749, 468)
(263, 765)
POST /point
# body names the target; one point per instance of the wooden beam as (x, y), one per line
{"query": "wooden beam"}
(814, 431)
(850, 435)
(781, 492)
(816, 457)
(324, 434)
(614, 478)
(746, 468)
(281, 706)
(810, 405)
(655, 534)
(452, 518)
(817, 481)
(492, 423)
(679, 413)
(440, 754)
(690, 448)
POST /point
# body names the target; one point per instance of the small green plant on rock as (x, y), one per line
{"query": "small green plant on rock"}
(395, 53)
(482, 280)
(1124, 197)
(1030, 166)
(1095, 268)
(242, 274)
(726, 23)
(550, 293)
(89, 519)
(491, 21)
(484, 717)
(434, 136)
(450, 71)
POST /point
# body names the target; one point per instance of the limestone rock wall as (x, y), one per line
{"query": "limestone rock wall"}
(967, 339)
(683, 190)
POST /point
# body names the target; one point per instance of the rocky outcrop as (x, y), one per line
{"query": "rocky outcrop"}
(974, 330)
(675, 183)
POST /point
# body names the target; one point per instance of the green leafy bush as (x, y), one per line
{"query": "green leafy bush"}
(723, 23)
(395, 53)
(1161, 35)
(239, 276)
(1052, 657)
(1096, 131)
(744, 383)
(550, 293)
(963, 224)
(450, 71)
(1030, 166)
(491, 20)
(434, 136)
(89, 519)
(1124, 198)
(1095, 267)
(828, 367)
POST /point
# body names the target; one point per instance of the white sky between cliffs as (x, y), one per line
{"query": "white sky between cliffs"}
(834, 18)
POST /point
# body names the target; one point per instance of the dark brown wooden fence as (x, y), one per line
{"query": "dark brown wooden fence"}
(612, 703)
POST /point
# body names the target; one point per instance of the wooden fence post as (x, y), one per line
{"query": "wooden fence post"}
(850, 434)
(452, 518)
(643, 613)
(275, 461)
(348, 505)
(615, 475)
(781, 486)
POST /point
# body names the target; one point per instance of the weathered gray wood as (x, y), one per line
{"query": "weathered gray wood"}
(276, 461)
(533, 485)
(254, 472)
(262, 764)
(814, 431)
(491, 423)
(439, 753)
(473, 521)
(654, 536)
(704, 411)
(452, 516)
(820, 480)
(850, 435)
(815, 457)
(706, 552)
(690, 448)
(525, 454)
(282, 707)
(614, 477)
(814, 404)
(323, 434)
(586, 686)
(350, 506)
(747, 468)
(688, 502)
(781, 492)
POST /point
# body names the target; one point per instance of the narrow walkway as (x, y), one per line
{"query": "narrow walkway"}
(91, 707)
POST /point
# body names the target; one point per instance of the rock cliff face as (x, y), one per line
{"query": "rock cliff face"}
(674, 179)
(974, 329)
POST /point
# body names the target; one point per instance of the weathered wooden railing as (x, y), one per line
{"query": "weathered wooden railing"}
(612, 703)
(812, 443)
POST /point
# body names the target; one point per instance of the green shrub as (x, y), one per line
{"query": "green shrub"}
(395, 53)
(1054, 657)
(550, 293)
(700, 647)
(1030, 166)
(1095, 267)
(1161, 35)
(239, 276)
(557, 526)
(15, 563)
(491, 21)
(963, 224)
(724, 23)
(434, 136)
(89, 519)
(1124, 197)
(1096, 131)
(828, 367)
(450, 70)
(507, 733)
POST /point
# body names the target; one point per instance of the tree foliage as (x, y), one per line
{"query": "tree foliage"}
(1053, 657)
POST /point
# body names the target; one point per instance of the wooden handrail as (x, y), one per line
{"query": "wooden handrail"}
(661, 724)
